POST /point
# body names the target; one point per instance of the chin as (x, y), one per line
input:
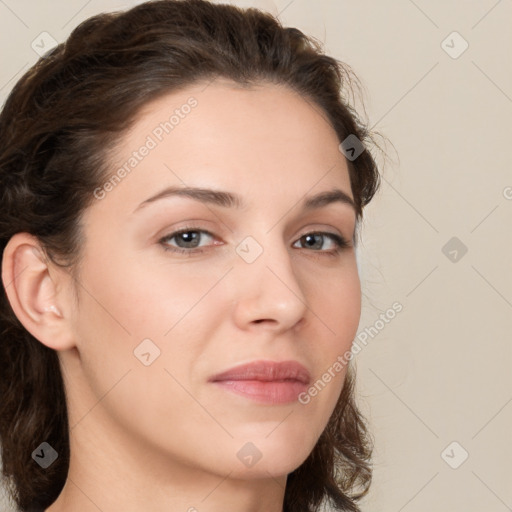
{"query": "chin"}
(269, 468)
(277, 457)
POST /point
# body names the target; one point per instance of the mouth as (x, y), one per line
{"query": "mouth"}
(265, 382)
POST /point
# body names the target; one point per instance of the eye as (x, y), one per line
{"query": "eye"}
(317, 239)
(187, 240)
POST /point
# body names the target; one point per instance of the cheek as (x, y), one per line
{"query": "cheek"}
(130, 301)
(336, 303)
(346, 309)
(123, 305)
(338, 309)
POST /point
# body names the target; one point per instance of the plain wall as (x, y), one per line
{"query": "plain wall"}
(439, 371)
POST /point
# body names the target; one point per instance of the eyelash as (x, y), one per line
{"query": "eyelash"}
(340, 241)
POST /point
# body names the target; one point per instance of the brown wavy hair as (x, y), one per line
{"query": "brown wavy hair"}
(57, 130)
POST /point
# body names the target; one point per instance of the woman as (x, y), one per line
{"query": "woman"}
(182, 185)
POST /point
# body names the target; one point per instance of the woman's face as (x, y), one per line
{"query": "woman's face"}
(153, 326)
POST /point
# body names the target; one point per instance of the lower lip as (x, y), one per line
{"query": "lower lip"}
(273, 392)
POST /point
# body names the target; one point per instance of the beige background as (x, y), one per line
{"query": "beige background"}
(440, 371)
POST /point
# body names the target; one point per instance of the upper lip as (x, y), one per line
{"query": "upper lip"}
(266, 371)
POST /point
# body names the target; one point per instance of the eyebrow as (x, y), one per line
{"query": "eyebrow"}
(230, 200)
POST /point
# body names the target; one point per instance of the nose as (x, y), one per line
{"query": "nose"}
(267, 291)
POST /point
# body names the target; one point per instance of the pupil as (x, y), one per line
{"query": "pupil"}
(188, 237)
(312, 239)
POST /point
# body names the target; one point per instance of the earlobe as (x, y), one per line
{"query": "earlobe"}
(32, 292)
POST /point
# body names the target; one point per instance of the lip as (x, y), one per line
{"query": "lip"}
(268, 382)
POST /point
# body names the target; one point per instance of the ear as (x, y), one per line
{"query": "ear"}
(35, 290)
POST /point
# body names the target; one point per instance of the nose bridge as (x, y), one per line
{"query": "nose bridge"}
(269, 288)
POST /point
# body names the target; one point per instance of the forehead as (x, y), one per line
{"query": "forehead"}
(263, 140)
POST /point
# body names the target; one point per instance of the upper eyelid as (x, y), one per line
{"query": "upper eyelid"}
(186, 229)
(192, 227)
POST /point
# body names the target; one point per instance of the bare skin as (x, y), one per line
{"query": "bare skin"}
(162, 437)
